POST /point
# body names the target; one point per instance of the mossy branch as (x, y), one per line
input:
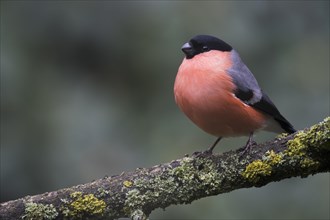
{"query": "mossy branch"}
(136, 194)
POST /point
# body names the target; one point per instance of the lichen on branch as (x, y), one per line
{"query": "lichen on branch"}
(136, 194)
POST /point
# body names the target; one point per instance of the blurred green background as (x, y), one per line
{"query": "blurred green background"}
(87, 91)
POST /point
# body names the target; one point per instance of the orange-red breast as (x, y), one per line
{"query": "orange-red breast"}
(216, 90)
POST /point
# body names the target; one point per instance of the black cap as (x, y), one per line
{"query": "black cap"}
(204, 43)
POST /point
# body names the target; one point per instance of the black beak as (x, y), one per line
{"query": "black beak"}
(188, 50)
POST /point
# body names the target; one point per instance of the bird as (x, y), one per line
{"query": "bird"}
(217, 91)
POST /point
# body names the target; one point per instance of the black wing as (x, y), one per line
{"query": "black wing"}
(248, 90)
(267, 106)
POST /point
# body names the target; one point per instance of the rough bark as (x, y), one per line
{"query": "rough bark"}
(136, 194)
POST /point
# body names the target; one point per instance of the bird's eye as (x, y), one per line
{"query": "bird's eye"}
(205, 48)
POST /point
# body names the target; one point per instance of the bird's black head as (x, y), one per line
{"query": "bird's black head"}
(204, 43)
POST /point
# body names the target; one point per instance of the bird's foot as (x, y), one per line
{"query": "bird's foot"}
(207, 152)
(210, 149)
(249, 145)
(197, 153)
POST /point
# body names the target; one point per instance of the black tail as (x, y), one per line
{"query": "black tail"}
(267, 106)
(285, 124)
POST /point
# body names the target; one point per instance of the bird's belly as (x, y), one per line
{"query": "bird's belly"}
(221, 114)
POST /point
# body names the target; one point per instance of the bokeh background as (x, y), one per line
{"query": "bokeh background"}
(87, 91)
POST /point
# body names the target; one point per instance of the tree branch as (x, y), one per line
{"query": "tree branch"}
(136, 194)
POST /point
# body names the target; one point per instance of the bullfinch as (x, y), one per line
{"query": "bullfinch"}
(217, 91)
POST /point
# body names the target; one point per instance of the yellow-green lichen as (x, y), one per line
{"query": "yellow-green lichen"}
(256, 169)
(317, 136)
(309, 163)
(200, 171)
(273, 158)
(38, 211)
(134, 200)
(297, 146)
(282, 135)
(102, 192)
(182, 178)
(128, 183)
(81, 205)
(183, 172)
